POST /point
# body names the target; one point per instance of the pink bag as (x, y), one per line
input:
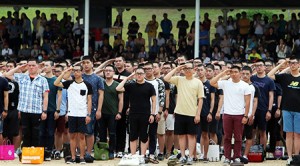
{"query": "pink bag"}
(7, 151)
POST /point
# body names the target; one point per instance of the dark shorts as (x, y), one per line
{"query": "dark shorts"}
(185, 125)
(77, 124)
(91, 126)
(210, 127)
(260, 120)
(138, 127)
(248, 130)
(60, 124)
(11, 124)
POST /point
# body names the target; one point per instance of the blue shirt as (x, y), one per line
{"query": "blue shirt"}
(31, 93)
(204, 41)
(166, 26)
(97, 84)
(265, 85)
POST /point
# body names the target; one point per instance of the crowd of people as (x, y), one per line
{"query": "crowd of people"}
(51, 94)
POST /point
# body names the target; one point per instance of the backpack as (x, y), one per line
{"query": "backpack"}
(101, 151)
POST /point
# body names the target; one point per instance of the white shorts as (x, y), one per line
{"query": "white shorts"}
(161, 128)
(170, 122)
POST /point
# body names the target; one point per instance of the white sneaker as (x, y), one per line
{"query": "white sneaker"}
(289, 160)
(226, 162)
(119, 155)
(16, 155)
(201, 156)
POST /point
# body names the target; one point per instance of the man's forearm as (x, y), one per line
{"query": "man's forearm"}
(6, 98)
(58, 79)
(100, 100)
(199, 108)
(169, 75)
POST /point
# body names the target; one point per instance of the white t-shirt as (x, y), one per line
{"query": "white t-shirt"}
(155, 85)
(252, 90)
(259, 28)
(77, 97)
(234, 100)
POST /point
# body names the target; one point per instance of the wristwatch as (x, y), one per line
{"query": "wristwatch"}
(120, 113)
(45, 111)
(246, 116)
(153, 115)
(58, 111)
(159, 113)
(5, 111)
(270, 111)
(89, 115)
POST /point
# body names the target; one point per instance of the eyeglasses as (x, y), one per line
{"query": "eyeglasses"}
(140, 74)
(57, 71)
(293, 63)
(259, 65)
(76, 70)
(268, 65)
(187, 68)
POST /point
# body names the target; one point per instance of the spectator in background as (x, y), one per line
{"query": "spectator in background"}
(24, 52)
(151, 29)
(7, 53)
(204, 36)
(166, 26)
(77, 53)
(118, 41)
(139, 42)
(206, 22)
(281, 49)
(133, 28)
(14, 32)
(182, 25)
(26, 29)
(36, 24)
(220, 28)
(281, 27)
(160, 40)
(78, 31)
(244, 27)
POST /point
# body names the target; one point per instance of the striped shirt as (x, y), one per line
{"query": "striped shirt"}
(31, 93)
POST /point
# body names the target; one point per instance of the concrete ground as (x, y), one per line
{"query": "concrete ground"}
(163, 163)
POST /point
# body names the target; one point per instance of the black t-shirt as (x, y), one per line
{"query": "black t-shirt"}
(3, 87)
(172, 97)
(278, 92)
(208, 89)
(13, 92)
(290, 91)
(119, 78)
(219, 92)
(139, 97)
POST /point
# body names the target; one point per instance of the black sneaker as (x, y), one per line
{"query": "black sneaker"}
(244, 160)
(205, 160)
(71, 161)
(160, 157)
(82, 161)
(57, 155)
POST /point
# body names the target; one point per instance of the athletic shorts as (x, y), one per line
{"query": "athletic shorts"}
(138, 127)
(60, 124)
(185, 125)
(77, 124)
(170, 121)
(161, 127)
(291, 121)
(248, 130)
(11, 124)
(260, 120)
(208, 126)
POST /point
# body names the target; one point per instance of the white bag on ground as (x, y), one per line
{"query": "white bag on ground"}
(213, 154)
(130, 160)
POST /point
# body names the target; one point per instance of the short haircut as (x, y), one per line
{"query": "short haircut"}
(168, 63)
(13, 62)
(112, 66)
(139, 68)
(33, 59)
(211, 66)
(260, 60)
(88, 58)
(270, 61)
(148, 63)
(59, 66)
(51, 62)
(218, 66)
(120, 56)
(294, 58)
(247, 68)
(236, 67)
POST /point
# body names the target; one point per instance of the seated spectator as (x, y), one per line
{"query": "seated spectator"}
(216, 41)
(128, 54)
(35, 51)
(216, 53)
(171, 39)
(60, 52)
(183, 48)
(24, 52)
(223, 57)
(105, 54)
(236, 57)
(47, 33)
(254, 56)
(143, 55)
(6, 52)
(252, 42)
(162, 54)
(139, 42)
(120, 50)
(44, 55)
(46, 45)
(118, 41)
(154, 48)
(281, 49)
(77, 53)
(160, 40)
(204, 58)
(173, 53)
(107, 45)
(130, 42)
